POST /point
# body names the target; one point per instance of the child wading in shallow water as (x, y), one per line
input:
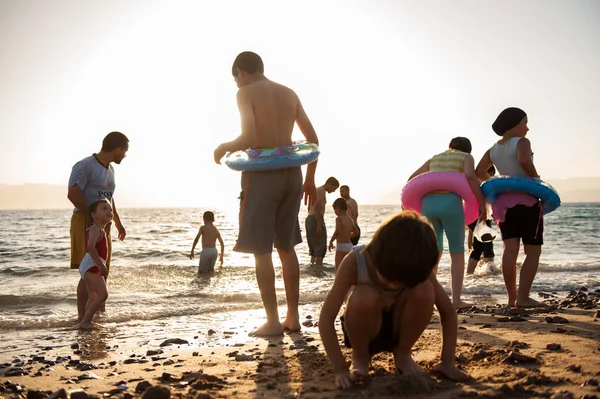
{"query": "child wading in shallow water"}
(93, 266)
(345, 230)
(391, 302)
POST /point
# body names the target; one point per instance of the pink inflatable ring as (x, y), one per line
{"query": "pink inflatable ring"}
(426, 183)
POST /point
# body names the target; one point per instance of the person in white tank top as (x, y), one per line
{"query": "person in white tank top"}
(523, 218)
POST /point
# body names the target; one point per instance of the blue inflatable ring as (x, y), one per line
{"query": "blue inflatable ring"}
(257, 159)
(496, 185)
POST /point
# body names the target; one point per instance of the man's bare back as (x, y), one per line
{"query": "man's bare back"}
(352, 209)
(275, 109)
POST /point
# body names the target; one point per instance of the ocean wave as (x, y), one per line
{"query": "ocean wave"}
(55, 321)
(569, 267)
(18, 271)
(18, 300)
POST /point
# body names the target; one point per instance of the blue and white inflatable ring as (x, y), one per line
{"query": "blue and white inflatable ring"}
(496, 185)
(257, 159)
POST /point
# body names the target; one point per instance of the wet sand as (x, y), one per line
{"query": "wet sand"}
(510, 353)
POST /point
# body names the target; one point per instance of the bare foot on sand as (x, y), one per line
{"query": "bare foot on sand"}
(462, 305)
(407, 366)
(450, 371)
(88, 326)
(268, 330)
(291, 324)
(529, 303)
(359, 367)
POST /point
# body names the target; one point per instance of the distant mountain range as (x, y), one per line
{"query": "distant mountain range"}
(49, 196)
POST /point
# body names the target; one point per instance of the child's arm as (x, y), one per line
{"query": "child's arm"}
(195, 242)
(338, 227)
(469, 168)
(222, 247)
(354, 231)
(345, 278)
(525, 157)
(449, 323)
(94, 237)
(424, 168)
(482, 167)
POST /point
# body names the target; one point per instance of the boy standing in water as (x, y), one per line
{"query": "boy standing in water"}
(93, 268)
(391, 302)
(345, 229)
(210, 234)
(270, 200)
(519, 215)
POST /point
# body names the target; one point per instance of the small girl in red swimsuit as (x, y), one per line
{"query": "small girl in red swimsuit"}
(93, 266)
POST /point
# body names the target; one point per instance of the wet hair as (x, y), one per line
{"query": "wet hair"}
(249, 62)
(462, 144)
(345, 187)
(404, 249)
(341, 204)
(508, 119)
(208, 216)
(94, 205)
(491, 170)
(115, 140)
(333, 181)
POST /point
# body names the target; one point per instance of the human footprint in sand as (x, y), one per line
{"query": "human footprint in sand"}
(92, 268)
(270, 200)
(391, 302)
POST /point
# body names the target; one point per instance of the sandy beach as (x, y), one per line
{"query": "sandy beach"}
(508, 352)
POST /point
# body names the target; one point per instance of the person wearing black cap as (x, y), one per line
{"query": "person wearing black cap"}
(519, 215)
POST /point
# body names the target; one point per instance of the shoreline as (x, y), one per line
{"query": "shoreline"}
(509, 352)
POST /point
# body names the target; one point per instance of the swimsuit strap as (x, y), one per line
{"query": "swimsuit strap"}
(102, 236)
(362, 272)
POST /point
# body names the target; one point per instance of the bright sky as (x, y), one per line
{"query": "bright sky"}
(387, 84)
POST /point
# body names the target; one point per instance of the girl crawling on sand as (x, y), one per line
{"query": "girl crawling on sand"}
(93, 266)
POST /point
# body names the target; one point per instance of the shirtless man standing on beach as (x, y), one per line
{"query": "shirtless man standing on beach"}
(316, 232)
(270, 200)
(352, 210)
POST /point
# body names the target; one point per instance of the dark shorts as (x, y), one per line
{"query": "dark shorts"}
(269, 205)
(524, 222)
(317, 244)
(478, 248)
(385, 341)
(355, 239)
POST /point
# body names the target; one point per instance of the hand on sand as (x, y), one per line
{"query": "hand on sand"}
(450, 371)
(268, 330)
(345, 379)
